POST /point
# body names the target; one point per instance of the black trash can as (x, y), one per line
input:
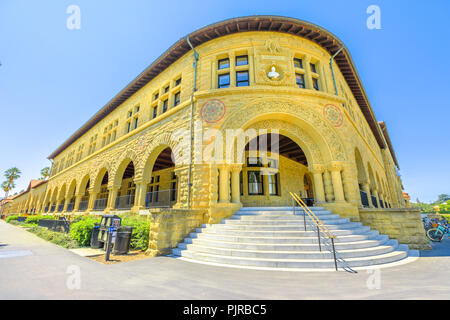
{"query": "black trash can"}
(95, 244)
(123, 238)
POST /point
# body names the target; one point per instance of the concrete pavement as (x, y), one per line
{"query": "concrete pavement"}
(41, 273)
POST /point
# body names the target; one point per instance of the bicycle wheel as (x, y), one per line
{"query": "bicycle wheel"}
(435, 234)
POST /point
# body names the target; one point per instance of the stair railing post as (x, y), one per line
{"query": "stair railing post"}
(318, 237)
(304, 218)
(334, 254)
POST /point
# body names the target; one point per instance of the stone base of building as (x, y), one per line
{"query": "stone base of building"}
(344, 209)
(220, 211)
(168, 227)
(403, 224)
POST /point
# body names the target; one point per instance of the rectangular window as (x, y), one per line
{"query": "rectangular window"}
(173, 195)
(113, 135)
(300, 80)
(157, 179)
(165, 104)
(135, 123)
(156, 96)
(128, 126)
(224, 64)
(241, 60)
(130, 113)
(272, 163)
(255, 183)
(224, 80)
(315, 84)
(155, 112)
(166, 89)
(242, 79)
(313, 67)
(176, 100)
(273, 184)
(298, 63)
(254, 162)
(177, 82)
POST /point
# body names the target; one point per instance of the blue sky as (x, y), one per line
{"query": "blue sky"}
(52, 79)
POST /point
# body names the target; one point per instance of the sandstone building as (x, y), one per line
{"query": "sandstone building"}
(161, 144)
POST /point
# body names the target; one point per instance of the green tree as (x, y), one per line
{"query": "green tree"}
(45, 173)
(11, 175)
(442, 198)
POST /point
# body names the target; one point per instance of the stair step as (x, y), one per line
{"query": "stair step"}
(299, 232)
(308, 254)
(295, 263)
(255, 239)
(286, 247)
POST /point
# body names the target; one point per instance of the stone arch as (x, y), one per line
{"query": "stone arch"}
(97, 182)
(62, 192)
(361, 171)
(309, 124)
(147, 169)
(116, 177)
(372, 182)
(81, 187)
(71, 189)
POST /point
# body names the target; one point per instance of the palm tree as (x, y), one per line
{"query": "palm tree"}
(10, 175)
(45, 173)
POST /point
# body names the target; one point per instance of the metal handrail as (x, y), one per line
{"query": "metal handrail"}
(313, 217)
(321, 228)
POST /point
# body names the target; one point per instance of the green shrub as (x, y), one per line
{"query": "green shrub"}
(141, 231)
(33, 219)
(59, 238)
(11, 217)
(81, 231)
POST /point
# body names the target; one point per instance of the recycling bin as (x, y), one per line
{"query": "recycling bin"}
(123, 238)
(95, 244)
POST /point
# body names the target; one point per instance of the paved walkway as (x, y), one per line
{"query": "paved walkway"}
(31, 268)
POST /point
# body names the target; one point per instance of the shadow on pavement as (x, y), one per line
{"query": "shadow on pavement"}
(440, 249)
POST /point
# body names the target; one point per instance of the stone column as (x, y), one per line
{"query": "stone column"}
(66, 203)
(308, 76)
(92, 198)
(224, 182)
(139, 200)
(328, 186)
(375, 193)
(76, 206)
(112, 196)
(235, 184)
(319, 191)
(337, 182)
(366, 189)
(251, 67)
(232, 58)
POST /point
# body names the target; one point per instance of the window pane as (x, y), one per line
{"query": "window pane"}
(155, 112)
(177, 99)
(242, 78)
(241, 60)
(300, 80)
(224, 63)
(313, 67)
(315, 83)
(273, 184)
(298, 63)
(165, 103)
(177, 82)
(255, 183)
(254, 162)
(224, 80)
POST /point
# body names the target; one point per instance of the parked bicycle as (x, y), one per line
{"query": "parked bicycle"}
(438, 231)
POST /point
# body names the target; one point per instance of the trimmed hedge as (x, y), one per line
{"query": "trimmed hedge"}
(81, 231)
(141, 231)
(11, 217)
(59, 238)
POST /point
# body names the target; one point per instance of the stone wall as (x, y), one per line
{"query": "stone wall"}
(168, 227)
(403, 224)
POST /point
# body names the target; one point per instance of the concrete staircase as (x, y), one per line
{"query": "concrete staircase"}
(273, 237)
